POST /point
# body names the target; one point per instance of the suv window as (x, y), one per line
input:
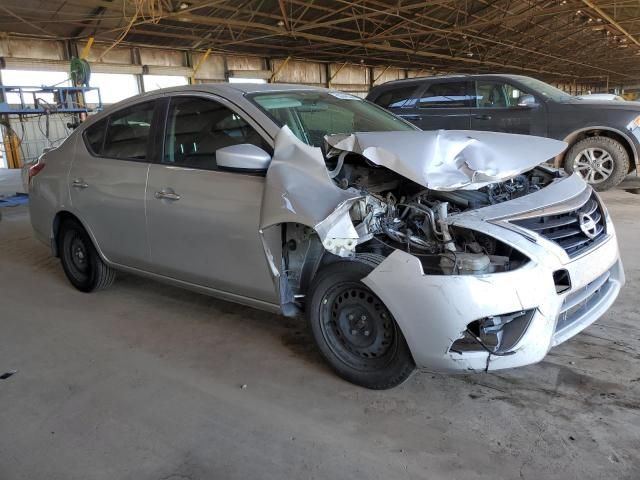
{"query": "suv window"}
(128, 132)
(94, 136)
(197, 127)
(446, 95)
(397, 97)
(495, 94)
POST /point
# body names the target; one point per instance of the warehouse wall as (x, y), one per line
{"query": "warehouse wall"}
(54, 55)
(148, 63)
(144, 64)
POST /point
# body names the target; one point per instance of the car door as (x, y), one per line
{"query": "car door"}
(203, 223)
(498, 108)
(443, 105)
(107, 182)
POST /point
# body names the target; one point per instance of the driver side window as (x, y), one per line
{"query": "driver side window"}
(490, 94)
(198, 127)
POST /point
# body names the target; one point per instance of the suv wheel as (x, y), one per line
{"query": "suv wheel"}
(354, 330)
(81, 262)
(603, 162)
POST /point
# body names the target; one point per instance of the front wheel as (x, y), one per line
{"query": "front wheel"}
(602, 161)
(354, 330)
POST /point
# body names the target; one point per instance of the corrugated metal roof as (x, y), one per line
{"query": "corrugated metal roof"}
(568, 39)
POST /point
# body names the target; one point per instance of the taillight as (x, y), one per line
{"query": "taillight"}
(36, 169)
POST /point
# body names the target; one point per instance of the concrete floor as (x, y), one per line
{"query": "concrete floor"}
(144, 381)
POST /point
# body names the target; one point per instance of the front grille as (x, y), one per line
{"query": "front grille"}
(578, 303)
(565, 228)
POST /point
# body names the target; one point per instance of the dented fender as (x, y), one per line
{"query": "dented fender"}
(298, 189)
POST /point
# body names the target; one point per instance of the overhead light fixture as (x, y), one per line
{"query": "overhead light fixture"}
(183, 5)
(280, 23)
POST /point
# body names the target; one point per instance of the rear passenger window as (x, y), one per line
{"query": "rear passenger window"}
(197, 127)
(446, 95)
(397, 98)
(94, 136)
(128, 132)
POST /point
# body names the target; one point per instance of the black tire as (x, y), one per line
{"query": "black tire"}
(80, 260)
(609, 161)
(353, 329)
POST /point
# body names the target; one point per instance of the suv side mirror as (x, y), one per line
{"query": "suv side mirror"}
(244, 156)
(527, 100)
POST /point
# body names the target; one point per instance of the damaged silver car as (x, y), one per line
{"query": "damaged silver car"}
(452, 251)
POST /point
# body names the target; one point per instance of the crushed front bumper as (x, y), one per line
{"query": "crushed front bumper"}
(433, 311)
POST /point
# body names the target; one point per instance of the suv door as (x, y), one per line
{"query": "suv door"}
(203, 223)
(442, 105)
(108, 179)
(498, 108)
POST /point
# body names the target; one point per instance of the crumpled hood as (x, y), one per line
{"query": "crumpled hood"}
(450, 159)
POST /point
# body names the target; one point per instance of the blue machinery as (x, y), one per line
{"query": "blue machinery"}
(44, 100)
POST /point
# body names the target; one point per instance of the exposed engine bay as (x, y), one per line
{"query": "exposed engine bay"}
(380, 193)
(396, 213)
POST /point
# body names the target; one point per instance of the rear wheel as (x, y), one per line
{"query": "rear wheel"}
(80, 260)
(603, 162)
(354, 330)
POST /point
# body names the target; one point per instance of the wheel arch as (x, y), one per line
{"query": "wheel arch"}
(600, 131)
(58, 220)
(302, 256)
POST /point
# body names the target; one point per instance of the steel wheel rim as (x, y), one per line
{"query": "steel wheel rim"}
(594, 165)
(358, 327)
(78, 256)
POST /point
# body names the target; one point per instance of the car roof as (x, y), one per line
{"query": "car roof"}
(453, 76)
(238, 88)
(233, 92)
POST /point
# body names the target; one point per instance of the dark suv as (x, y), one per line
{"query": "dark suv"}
(603, 136)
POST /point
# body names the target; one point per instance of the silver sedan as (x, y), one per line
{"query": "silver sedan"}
(447, 250)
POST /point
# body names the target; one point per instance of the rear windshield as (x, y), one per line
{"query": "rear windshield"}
(313, 114)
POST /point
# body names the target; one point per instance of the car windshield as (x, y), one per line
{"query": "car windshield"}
(313, 114)
(546, 90)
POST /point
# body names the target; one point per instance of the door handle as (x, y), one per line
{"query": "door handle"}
(483, 117)
(79, 183)
(167, 195)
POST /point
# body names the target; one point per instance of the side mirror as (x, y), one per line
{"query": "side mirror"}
(527, 100)
(243, 157)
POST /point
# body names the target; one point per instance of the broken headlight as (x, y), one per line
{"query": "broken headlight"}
(496, 334)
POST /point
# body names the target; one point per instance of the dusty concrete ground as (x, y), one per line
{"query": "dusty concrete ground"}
(143, 381)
